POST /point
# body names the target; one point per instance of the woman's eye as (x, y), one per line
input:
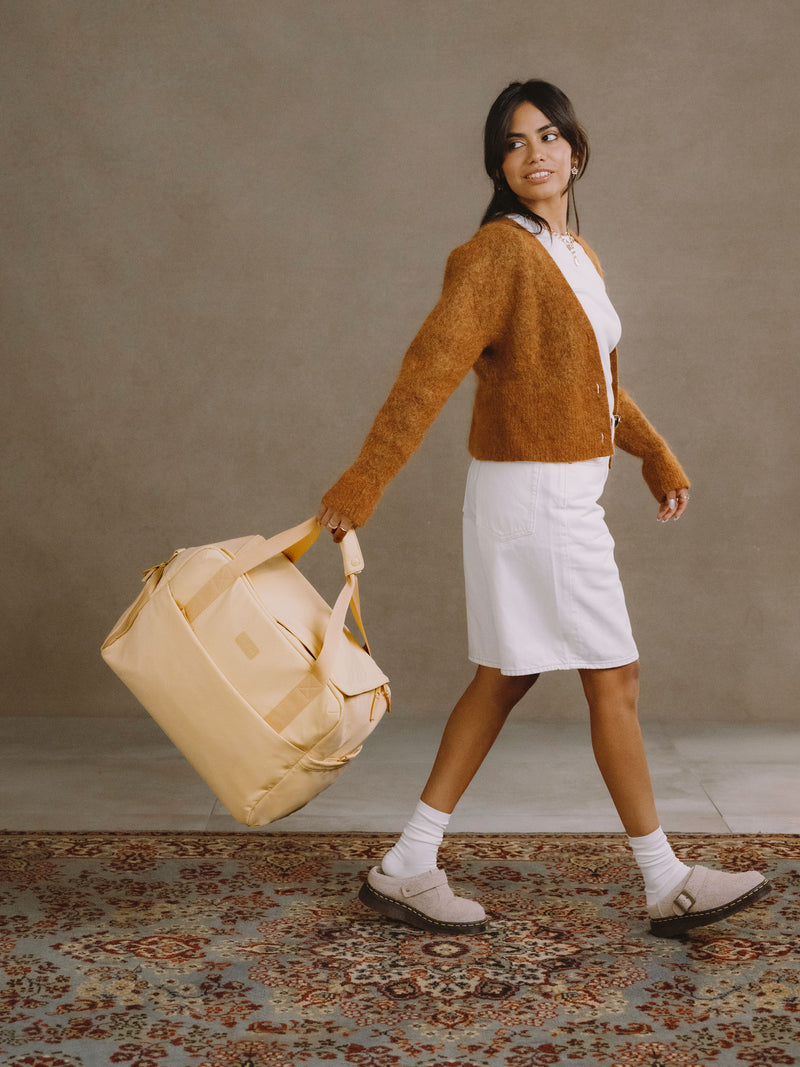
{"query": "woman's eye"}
(550, 137)
(515, 144)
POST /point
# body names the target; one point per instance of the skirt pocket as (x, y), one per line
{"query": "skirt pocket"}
(501, 498)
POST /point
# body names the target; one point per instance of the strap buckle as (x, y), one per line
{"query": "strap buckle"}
(681, 899)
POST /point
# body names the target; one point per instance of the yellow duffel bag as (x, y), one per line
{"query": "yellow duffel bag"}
(249, 672)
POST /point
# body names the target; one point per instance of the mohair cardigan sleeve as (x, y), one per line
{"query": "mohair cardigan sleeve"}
(507, 312)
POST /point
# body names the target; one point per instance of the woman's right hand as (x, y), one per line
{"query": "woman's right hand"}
(334, 521)
(673, 505)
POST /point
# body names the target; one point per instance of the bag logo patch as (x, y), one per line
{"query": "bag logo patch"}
(247, 645)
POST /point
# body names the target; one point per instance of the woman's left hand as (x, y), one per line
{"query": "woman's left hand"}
(673, 505)
(337, 523)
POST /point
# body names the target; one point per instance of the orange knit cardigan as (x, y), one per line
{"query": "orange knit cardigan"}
(508, 313)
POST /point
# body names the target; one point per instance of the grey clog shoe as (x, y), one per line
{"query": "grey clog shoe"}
(705, 896)
(425, 901)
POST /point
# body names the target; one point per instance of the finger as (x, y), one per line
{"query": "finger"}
(328, 519)
(668, 506)
(345, 525)
(683, 503)
(334, 521)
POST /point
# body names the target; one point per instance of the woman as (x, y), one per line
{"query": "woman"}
(523, 305)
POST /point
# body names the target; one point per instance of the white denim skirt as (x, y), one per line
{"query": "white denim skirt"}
(543, 589)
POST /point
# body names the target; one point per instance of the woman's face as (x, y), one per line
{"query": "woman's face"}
(538, 160)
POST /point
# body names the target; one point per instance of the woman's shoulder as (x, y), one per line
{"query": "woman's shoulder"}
(502, 231)
(501, 240)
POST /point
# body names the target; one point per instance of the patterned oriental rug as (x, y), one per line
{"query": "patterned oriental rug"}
(251, 950)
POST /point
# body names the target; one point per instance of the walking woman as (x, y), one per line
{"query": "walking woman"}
(524, 306)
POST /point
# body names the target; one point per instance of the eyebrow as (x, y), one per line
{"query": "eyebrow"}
(549, 126)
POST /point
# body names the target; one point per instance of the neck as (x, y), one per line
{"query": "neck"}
(554, 212)
(556, 220)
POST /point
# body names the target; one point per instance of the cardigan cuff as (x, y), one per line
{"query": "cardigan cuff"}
(663, 472)
(353, 496)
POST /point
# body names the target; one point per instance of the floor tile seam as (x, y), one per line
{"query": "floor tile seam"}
(731, 767)
(688, 767)
(213, 812)
(716, 807)
(726, 827)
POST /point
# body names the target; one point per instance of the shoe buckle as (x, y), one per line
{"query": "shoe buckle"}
(684, 901)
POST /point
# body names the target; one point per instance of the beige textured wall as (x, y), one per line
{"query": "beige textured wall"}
(224, 221)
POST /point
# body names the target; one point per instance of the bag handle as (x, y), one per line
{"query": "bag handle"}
(257, 550)
(293, 543)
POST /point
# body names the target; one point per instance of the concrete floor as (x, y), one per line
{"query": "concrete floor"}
(71, 773)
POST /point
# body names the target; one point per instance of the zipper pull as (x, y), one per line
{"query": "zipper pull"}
(158, 568)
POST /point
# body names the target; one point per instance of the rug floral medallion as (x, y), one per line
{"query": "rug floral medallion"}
(252, 950)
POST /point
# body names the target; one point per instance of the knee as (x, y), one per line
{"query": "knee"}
(615, 692)
(630, 682)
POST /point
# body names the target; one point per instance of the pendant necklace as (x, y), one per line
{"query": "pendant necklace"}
(569, 241)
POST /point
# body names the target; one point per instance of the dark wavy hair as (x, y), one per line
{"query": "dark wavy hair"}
(558, 109)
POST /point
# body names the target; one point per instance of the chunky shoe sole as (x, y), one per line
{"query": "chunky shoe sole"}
(396, 909)
(675, 925)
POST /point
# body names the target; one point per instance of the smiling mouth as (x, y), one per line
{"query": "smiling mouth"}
(538, 176)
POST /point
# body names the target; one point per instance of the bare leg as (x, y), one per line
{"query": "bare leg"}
(618, 747)
(471, 730)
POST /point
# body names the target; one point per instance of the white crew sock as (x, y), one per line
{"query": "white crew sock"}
(418, 846)
(661, 868)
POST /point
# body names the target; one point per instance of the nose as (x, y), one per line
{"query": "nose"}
(536, 152)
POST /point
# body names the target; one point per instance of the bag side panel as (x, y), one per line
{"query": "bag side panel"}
(222, 736)
(355, 670)
(360, 715)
